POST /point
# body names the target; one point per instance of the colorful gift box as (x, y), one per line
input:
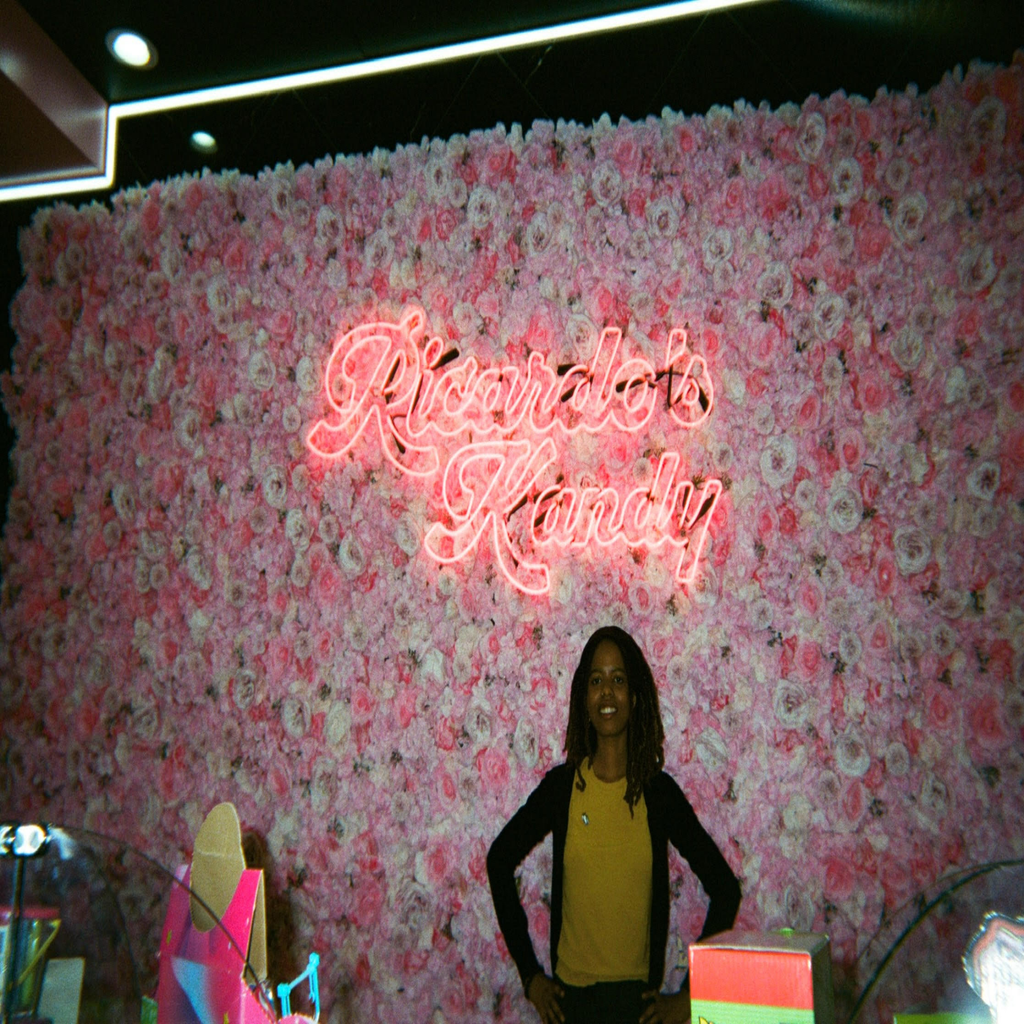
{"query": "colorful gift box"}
(761, 978)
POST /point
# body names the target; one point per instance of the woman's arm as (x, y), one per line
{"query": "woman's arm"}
(689, 837)
(527, 827)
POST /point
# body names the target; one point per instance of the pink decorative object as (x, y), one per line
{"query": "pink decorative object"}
(203, 974)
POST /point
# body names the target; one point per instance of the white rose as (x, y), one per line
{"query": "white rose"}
(307, 376)
(482, 207)
(763, 420)
(907, 348)
(606, 184)
(337, 724)
(847, 181)
(378, 250)
(188, 430)
(538, 234)
(934, 798)
(436, 174)
(275, 487)
(850, 648)
(897, 759)
(983, 480)
(897, 174)
(810, 136)
(778, 461)
(123, 497)
(297, 529)
(944, 639)
(797, 814)
(262, 371)
(775, 285)
(852, 757)
(478, 721)
(300, 573)
(198, 570)
(351, 558)
(407, 535)
(711, 750)
(913, 549)
(293, 717)
(291, 419)
(984, 521)
(976, 268)
(790, 704)
(908, 219)
(956, 386)
(662, 217)
(806, 495)
(988, 121)
(524, 742)
(844, 510)
(829, 315)
(717, 247)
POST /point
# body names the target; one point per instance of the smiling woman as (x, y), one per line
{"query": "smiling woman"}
(612, 812)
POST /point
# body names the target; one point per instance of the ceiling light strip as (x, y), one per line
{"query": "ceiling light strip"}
(362, 69)
(425, 58)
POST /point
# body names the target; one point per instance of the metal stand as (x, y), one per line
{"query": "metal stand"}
(19, 842)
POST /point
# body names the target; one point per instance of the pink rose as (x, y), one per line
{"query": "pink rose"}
(445, 734)
(987, 726)
(492, 765)
(896, 880)
(810, 597)
(368, 901)
(445, 223)
(439, 861)
(939, 707)
(839, 878)
(405, 706)
(808, 411)
(853, 801)
(851, 448)
(873, 392)
(808, 658)
(453, 1000)
(540, 922)
(363, 704)
(445, 786)
(885, 576)
(772, 197)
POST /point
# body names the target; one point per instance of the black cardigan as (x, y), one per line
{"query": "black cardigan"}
(669, 818)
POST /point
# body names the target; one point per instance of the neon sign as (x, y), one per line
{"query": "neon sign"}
(385, 379)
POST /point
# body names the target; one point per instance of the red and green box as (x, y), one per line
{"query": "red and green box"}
(761, 978)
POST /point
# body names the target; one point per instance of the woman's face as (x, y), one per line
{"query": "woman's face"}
(608, 698)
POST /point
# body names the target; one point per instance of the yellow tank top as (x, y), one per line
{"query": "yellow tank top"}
(606, 890)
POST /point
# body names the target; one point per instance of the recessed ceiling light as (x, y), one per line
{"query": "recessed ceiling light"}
(203, 142)
(130, 48)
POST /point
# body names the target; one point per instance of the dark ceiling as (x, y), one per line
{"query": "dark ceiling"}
(778, 50)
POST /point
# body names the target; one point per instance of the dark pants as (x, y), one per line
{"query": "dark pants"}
(607, 1002)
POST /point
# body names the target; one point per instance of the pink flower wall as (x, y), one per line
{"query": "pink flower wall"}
(197, 607)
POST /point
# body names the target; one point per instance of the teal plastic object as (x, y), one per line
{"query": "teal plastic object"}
(284, 989)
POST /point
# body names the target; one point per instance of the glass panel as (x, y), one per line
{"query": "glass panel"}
(914, 963)
(90, 898)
